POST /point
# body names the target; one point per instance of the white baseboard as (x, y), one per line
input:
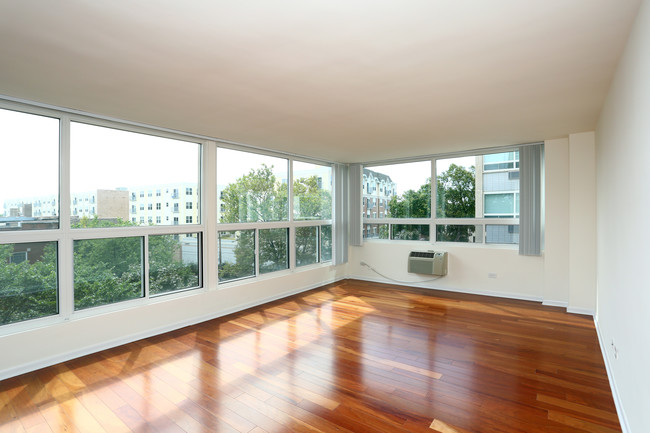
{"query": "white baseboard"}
(521, 297)
(46, 362)
(612, 384)
(562, 304)
(585, 311)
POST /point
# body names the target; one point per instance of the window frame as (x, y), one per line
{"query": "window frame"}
(291, 223)
(204, 207)
(433, 221)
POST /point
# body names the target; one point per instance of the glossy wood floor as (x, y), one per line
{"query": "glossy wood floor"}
(350, 357)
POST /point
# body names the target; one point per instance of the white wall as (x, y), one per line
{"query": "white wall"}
(517, 276)
(556, 232)
(582, 223)
(30, 350)
(623, 211)
(565, 273)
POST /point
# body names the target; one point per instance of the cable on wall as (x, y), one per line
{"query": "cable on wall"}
(362, 263)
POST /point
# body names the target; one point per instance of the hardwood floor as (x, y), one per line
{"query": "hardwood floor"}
(350, 357)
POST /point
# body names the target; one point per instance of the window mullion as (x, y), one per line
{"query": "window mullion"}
(66, 250)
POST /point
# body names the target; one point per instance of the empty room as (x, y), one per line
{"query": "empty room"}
(324, 216)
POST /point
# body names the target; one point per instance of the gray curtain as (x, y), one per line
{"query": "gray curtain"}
(530, 200)
(356, 229)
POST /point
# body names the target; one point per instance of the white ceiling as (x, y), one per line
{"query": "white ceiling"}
(342, 80)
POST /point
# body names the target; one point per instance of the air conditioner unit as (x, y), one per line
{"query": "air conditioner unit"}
(428, 262)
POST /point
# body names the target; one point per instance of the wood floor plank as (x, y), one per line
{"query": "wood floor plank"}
(353, 356)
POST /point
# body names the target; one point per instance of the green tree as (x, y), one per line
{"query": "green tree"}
(258, 196)
(27, 290)
(456, 198)
(311, 201)
(411, 204)
(167, 272)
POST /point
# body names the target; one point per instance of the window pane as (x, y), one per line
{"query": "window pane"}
(410, 232)
(312, 191)
(107, 271)
(173, 262)
(500, 205)
(28, 281)
(306, 245)
(236, 254)
(459, 233)
(375, 231)
(397, 190)
(501, 234)
(251, 187)
(325, 243)
(274, 250)
(504, 180)
(115, 177)
(29, 173)
(456, 187)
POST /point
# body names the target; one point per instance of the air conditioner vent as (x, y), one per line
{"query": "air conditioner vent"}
(428, 262)
(423, 254)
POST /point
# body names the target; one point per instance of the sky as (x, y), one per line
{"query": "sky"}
(107, 158)
(412, 175)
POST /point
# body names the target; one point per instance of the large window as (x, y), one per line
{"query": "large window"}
(29, 171)
(258, 234)
(113, 165)
(96, 215)
(476, 199)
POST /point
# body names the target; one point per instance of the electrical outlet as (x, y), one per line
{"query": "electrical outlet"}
(614, 349)
(492, 275)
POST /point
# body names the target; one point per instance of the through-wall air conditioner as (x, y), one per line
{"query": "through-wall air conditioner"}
(428, 262)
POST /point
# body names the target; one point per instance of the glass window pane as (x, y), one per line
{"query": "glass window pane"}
(115, 176)
(459, 233)
(312, 191)
(375, 231)
(306, 245)
(107, 271)
(397, 190)
(501, 234)
(456, 187)
(173, 262)
(274, 250)
(251, 187)
(29, 171)
(410, 232)
(236, 254)
(500, 205)
(28, 281)
(325, 243)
